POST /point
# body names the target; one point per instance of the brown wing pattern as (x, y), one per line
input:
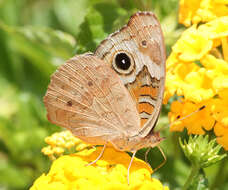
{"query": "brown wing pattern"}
(141, 43)
(88, 98)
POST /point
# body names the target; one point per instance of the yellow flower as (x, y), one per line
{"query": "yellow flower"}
(196, 11)
(110, 172)
(197, 71)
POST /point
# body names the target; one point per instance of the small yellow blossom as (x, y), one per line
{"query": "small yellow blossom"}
(194, 124)
(196, 11)
(216, 66)
(187, 11)
(62, 142)
(110, 172)
(192, 45)
(216, 28)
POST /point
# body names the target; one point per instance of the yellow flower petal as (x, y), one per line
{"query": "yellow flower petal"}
(216, 28)
(192, 45)
(221, 82)
(218, 66)
(219, 113)
(225, 48)
(222, 132)
(187, 10)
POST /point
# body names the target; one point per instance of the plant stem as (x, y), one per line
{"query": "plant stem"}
(194, 172)
(219, 178)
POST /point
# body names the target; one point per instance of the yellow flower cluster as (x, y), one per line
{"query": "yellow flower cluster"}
(197, 71)
(109, 173)
(62, 143)
(196, 11)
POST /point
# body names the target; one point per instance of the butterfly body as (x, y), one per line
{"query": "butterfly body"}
(113, 96)
(134, 143)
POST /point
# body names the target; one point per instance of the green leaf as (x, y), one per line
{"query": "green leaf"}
(92, 32)
(71, 13)
(45, 47)
(98, 24)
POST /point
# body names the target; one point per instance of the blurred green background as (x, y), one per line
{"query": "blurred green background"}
(38, 35)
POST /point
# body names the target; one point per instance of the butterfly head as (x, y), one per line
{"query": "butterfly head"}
(154, 139)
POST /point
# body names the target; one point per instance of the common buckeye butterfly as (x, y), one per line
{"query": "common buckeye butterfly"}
(114, 95)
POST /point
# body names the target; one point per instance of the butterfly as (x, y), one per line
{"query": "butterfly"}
(114, 95)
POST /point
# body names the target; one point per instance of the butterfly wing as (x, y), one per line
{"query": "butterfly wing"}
(137, 53)
(87, 97)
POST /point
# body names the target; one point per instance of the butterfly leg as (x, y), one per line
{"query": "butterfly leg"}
(128, 170)
(146, 156)
(163, 161)
(100, 155)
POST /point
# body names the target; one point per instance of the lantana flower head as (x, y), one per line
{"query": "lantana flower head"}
(109, 173)
(61, 143)
(197, 71)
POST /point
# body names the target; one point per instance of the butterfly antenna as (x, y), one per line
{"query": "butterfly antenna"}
(98, 158)
(182, 118)
(128, 170)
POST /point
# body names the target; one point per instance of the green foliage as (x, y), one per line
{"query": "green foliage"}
(37, 36)
(41, 45)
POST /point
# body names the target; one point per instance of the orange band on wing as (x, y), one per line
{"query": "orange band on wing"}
(149, 90)
(146, 107)
(143, 121)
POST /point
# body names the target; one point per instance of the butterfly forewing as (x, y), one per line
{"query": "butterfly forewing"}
(137, 54)
(87, 97)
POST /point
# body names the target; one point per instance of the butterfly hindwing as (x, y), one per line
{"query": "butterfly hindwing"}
(87, 97)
